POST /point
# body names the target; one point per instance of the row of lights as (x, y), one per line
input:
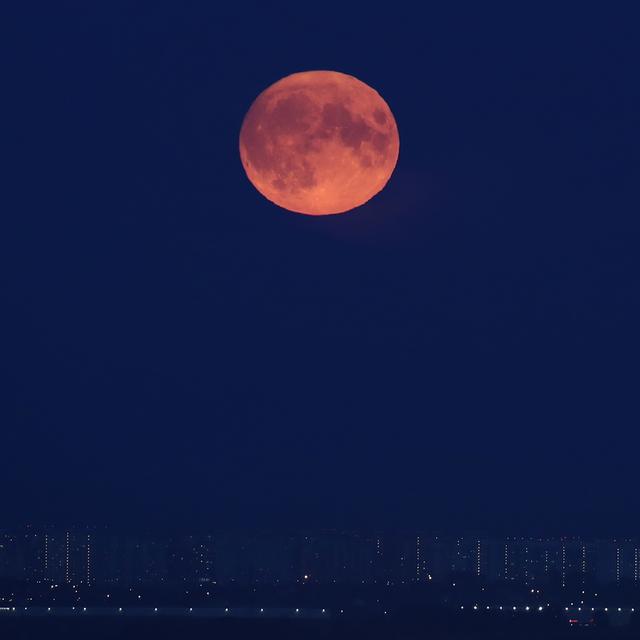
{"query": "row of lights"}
(227, 610)
(541, 608)
(501, 608)
(606, 609)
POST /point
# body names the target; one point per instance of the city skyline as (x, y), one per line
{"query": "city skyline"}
(93, 555)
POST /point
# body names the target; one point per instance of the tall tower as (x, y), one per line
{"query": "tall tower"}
(67, 558)
(88, 559)
(506, 561)
(45, 558)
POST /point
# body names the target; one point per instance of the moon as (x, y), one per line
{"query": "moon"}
(319, 143)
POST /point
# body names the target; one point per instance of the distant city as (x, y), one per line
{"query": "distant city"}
(91, 556)
(335, 575)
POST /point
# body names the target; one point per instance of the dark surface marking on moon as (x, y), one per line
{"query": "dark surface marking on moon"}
(353, 129)
(366, 161)
(380, 117)
(380, 141)
(264, 128)
(290, 117)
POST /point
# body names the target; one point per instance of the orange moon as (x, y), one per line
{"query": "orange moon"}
(319, 142)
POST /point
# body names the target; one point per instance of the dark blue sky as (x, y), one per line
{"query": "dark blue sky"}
(460, 353)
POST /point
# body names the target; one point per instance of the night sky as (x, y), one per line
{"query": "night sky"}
(459, 354)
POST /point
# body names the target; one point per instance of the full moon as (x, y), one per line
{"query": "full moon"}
(319, 142)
